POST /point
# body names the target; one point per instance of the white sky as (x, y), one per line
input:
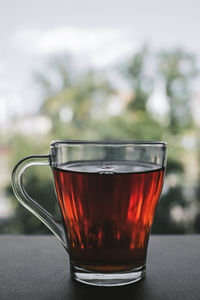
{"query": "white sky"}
(100, 32)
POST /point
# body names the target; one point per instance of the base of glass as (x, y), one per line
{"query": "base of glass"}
(108, 279)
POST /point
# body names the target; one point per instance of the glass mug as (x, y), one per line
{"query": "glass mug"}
(108, 193)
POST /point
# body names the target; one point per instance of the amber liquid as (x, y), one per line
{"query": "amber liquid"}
(108, 210)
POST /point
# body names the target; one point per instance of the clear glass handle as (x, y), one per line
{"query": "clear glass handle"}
(28, 202)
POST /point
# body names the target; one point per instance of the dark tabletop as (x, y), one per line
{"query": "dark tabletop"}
(37, 267)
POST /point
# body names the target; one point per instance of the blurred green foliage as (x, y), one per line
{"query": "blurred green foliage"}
(77, 107)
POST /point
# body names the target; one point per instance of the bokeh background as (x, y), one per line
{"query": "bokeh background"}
(91, 69)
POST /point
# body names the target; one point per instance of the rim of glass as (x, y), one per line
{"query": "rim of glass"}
(103, 142)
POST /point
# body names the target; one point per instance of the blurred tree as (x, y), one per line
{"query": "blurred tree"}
(163, 222)
(72, 107)
(135, 122)
(140, 82)
(76, 102)
(38, 183)
(40, 188)
(197, 188)
(178, 68)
